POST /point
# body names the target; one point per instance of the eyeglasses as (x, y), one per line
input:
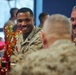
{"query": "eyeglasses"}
(72, 19)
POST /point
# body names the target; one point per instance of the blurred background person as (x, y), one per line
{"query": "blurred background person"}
(12, 19)
(10, 23)
(42, 17)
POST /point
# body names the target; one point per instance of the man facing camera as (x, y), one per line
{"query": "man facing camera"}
(73, 19)
(30, 40)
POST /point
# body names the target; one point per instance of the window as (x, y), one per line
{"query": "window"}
(6, 5)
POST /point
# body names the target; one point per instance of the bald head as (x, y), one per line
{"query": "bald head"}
(56, 27)
(58, 24)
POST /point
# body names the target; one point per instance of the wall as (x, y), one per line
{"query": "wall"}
(58, 6)
(38, 7)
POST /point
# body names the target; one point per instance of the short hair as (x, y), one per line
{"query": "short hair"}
(23, 10)
(50, 25)
(74, 8)
(12, 10)
(42, 15)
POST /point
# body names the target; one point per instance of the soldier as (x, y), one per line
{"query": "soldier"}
(11, 22)
(73, 19)
(59, 57)
(42, 17)
(8, 32)
(31, 35)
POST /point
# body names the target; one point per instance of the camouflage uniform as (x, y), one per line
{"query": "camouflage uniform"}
(59, 59)
(31, 44)
(33, 41)
(8, 28)
(8, 24)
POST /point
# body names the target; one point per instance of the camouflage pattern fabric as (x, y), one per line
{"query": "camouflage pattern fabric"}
(59, 59)
(31, 44)
(33, 41)
(8, 24)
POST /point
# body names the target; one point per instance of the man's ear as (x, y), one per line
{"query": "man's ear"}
(44, 40)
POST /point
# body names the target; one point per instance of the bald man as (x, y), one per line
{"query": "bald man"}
(57, 27)
(59, 57)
